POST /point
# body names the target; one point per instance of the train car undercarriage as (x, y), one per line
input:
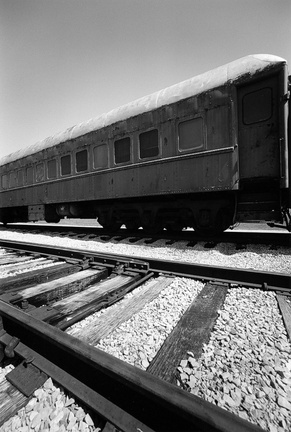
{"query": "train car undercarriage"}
(207, 216)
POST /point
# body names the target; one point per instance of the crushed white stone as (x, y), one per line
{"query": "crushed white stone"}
(257, 257)
(246, 366)
(51, 410)
(138, 340)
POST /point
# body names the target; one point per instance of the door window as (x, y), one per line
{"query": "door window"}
(257, 106)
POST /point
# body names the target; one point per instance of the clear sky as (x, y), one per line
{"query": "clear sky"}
(65, 61)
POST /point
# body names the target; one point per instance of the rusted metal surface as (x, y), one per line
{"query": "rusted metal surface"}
(212, 170)
(26, 378)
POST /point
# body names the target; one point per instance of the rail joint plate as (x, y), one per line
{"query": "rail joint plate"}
(26, 378)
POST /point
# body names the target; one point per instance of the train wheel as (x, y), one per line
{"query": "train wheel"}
(51, 215)
(53, 220)
(132, 226)
(153, 228)
(206, 232)
(111, 226)
(174, 228)
(221, 223)
(109, 222)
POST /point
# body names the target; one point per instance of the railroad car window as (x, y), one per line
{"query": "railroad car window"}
(29, 175)
(190, 134)
(12, 179)
(81, 161)
(100, 156)
(20, 177)
(4, 181)
(39, 172)
(122, 150)
(257, 106)
(66, 165)
(52, 169)
(149, 144)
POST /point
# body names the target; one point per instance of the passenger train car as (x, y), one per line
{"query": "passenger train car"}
(205, 153)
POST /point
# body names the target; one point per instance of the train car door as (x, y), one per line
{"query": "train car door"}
(258, 131)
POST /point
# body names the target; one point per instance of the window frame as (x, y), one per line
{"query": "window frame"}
(61, 157)
(158, 146)
(243, 110)
(20, 176)
(77, 151)
(12, 179)
(128, 162)
(37, 172)
(192, 149)
(47, 168)
(5, 181)
(29, 167)
(102, 144)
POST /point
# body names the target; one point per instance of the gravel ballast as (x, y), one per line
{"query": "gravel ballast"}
(138, 340)
(257, 257)
(246, 366)
(51, 410)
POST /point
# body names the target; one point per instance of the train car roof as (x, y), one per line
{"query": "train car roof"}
(231, 72)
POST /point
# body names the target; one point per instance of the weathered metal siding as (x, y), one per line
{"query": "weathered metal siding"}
(209, 172)
(212, 169)
(176, 175)
(218, 122)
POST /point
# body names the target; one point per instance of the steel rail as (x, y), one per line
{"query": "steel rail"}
(106, 259)
(233, 276)
(129, 391)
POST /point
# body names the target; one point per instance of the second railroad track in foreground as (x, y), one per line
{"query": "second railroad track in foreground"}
(36, 307)
(88, 232)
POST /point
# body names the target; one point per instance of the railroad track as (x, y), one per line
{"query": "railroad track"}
(240, 238)
(36, 306)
